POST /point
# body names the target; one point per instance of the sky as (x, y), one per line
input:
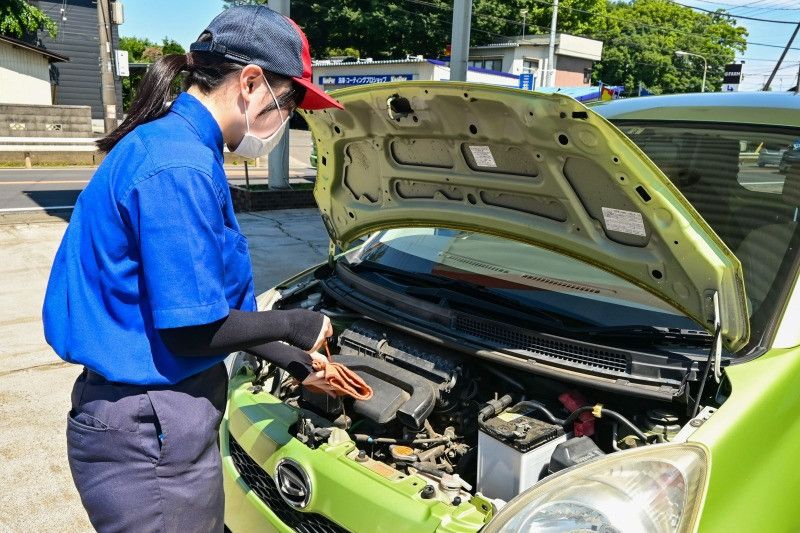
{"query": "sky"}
(760, 60)
(183, 20)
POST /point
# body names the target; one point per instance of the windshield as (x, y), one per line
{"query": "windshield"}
(745, 182)
(577, 293)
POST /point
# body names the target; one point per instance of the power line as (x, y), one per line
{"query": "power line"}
(630, 41)
(665, 28)
(717, 12)
(781, 7)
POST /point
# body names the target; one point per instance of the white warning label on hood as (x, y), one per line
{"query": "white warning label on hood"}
(630, 222)
(483, 156)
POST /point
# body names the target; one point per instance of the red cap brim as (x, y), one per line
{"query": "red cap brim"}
(315, 97)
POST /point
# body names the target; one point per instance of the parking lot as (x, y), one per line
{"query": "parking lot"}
(35, 385)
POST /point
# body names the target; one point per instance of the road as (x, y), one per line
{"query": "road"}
(761, 179)
(38, 188)
(57, 188)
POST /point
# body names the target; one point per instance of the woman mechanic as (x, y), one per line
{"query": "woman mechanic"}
(152, 285)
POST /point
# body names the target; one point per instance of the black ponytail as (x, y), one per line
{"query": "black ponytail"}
(204, 70)
(151, 98)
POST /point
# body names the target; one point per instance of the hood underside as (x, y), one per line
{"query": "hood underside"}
(536, 168)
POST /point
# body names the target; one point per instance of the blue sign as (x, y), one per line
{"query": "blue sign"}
(363, 79)
(527, 81)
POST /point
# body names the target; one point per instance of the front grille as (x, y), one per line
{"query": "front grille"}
(510, 337)
(262, 484)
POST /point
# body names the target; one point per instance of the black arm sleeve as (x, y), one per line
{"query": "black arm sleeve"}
(292, 359)
(243, 330)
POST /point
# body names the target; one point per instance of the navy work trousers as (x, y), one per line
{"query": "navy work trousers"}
(147, 459)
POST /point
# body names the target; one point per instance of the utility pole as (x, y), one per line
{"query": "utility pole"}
(459, 49)
(109, 89)
(780, 59)
(278, 159)
(524, 14)
(551, 71)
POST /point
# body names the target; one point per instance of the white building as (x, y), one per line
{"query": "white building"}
(25, 72)
(333, 74)
(497, 63)
(573, 58)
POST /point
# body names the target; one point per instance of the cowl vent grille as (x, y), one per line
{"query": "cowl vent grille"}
(509, 337)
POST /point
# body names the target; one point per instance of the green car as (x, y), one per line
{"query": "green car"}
(571, 318)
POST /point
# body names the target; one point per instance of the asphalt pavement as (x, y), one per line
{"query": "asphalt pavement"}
(39, 188)
(35, 385)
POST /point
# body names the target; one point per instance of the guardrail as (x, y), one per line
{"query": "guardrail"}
(47, 144)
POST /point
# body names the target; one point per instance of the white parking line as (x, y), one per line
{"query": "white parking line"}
(47, 208)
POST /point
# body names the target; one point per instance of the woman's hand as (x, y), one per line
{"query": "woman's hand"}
(325, 332)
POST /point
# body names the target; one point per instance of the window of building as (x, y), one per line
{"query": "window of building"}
(487, 63)
(587, 75)
(530, 65)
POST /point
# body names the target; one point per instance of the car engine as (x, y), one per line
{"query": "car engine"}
(465, 424)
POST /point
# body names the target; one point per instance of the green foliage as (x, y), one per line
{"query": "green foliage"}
(495, 19)
(143, 51)
(170, 46)
(640, 36)
(342, 52)
(135, 46)
(18, 18)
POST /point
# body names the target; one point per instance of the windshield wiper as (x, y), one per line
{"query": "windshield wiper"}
(457, 291)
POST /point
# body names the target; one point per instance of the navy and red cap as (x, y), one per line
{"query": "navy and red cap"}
(260, 36)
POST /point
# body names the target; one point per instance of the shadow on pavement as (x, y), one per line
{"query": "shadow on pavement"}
(58, 203)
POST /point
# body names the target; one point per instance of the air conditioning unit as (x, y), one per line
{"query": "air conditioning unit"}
(117, 13)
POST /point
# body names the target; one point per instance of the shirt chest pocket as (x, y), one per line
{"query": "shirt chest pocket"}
(238, 269)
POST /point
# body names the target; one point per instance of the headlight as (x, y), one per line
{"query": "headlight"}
(656, 489)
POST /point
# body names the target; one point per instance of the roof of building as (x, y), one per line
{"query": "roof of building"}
(537, 39)
(329, 63)
(51, 56)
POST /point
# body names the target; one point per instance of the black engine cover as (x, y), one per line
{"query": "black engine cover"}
(407, 375)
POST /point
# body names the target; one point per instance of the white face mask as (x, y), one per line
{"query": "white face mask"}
(252, 146)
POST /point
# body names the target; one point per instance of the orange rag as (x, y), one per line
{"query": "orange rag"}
(342, 380)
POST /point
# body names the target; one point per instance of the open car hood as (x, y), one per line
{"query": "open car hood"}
(538, 168)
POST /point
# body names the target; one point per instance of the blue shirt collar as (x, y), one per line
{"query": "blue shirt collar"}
(200, 119)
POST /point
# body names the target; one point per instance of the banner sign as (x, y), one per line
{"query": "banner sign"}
(363, 79)
(733, 77)
(527, 81)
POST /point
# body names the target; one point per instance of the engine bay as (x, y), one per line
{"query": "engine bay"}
(464, 424)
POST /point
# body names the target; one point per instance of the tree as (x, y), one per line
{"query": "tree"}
(18, 18)
(424, 26)
(643, 36)
(640, 36)
(171, 46)
(143, 51)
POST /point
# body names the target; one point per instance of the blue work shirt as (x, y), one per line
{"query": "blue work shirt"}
(152, 244)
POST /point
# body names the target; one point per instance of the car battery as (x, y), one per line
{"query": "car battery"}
(514, 450)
